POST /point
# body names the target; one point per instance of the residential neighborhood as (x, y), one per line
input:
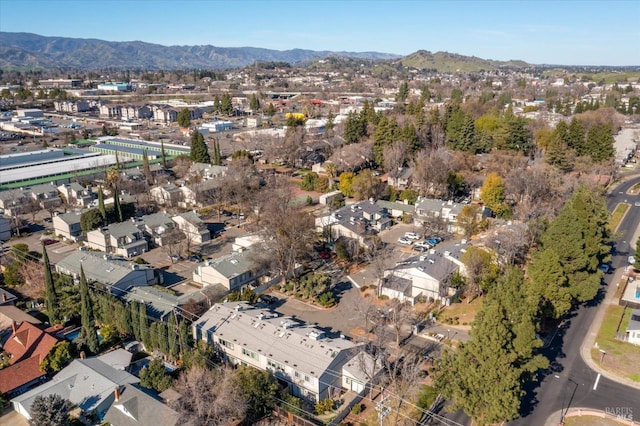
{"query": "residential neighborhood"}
(348, 239)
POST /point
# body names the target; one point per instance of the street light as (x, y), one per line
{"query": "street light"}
(602, 354)
(563, 411)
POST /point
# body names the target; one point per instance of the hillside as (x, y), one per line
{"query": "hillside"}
(452, 62)
(32, 51)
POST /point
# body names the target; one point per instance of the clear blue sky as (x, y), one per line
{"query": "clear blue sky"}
(556, 32)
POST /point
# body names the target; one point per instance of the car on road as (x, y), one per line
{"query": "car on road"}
(605, 267)
(637, 203)
(405, 241)
(411, 235)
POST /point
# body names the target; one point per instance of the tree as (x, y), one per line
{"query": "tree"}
(117, 209)
(88, 332)
(163, 155)
(354, 128)
(366, 185)
(481, 270)
(184, 117)
(403, 92)
(492, 195)
(209, 397)
(50, 410)
(226, 106)
(58, 357)
(172, 336)
(155, 376)
(146, 168)
(199, 151)
(51, 297)
(548, 284)
(346, 184)
(485, 377)
(144, 323)
(254, 102)
(217, 158)
(271, 110)
(258, 389)
(468, 220)
(101, 209)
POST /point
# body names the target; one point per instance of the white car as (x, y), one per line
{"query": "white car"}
(424, 245)
(631, 260)
(411, 235)
(405, 241)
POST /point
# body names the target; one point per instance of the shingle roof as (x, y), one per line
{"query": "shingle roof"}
(135, 407)
(232, 264)
(98, 266)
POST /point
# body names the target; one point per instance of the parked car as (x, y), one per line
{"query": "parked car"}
(195, 258)
(631, 260)
(48, 241)
(419, 248)
(405, 241)
(432, 240)
(411, 235)
(174, 258)
(424, 245)
(605, 267)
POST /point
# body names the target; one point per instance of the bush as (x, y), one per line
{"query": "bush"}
(326, 299)
(383, 297)
(357, 409)
(324, 406)
(309, 200)
(364, 288)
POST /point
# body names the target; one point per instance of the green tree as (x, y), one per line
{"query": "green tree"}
(101, 208)
(366, 185)
(259, 390)
(184, 117)
(199, 151)
(50, 410)
(172, 336)
(143, 323)
(346, 184)
(254, 102)
(58, 357)
(403, 92)
(549, 284)
(88, 332)
(271, 110)
(217, 158)
(51, 297)
(155, 376)
(501, 356)
(117, 209)
(163, 155)
(146, 168)
(226, 106)
(354, 129)
(575, 137)
(309, 181)
(600, 142)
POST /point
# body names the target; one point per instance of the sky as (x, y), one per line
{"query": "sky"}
(560, 32)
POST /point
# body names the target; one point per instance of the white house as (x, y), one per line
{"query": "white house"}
(124, 239)
(193, 227)
(67, 225)
(311, 363)
(233, 271)
(633, 328)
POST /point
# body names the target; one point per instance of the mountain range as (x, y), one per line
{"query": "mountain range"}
(26, 51)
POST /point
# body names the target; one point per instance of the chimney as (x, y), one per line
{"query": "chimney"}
(82, 355)
(116, 394)
(13, 326)
(4, 297)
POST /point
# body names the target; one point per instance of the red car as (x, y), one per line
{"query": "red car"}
(48, 241)
(325, 255)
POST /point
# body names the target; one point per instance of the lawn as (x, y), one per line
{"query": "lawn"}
(621, 358)
(590, 421)
(461, 313)
(617, 215)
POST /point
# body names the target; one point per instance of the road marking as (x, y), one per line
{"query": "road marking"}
(596, 383)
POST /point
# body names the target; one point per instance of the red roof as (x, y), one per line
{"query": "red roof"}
(28, 347)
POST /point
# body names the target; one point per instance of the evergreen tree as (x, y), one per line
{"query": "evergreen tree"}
(485, 377)
(353, 128)
(217, 159)
(184, 336)
(549, 284)
(184, 117)
(271, 110)
(134, 313)
(163, 155)
(226, 106)
(386, 133)
(172, 336)
(163, 338)
(101, 208)
(330, 124)
(600, 142)
(144, 323)
(557, 154)
(576, 137)
(254, 102)
(51, 297)
(117, 209)
(146, 168)
(199, 151)
(88, 332)
(403, 92)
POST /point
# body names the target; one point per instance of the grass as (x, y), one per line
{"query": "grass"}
(621, 357)
(464, 313)
(590, 421)
(617, 215)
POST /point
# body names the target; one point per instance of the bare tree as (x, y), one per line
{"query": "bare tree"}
(403, 382)
(395, 156)
(431, 172)
(399, 315)
(173, 242)
(209, 397)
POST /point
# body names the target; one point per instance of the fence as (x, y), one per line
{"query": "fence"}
(292, 419)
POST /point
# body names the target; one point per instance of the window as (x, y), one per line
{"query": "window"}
(226, 344)
(275, 365)
(298, 375)
(250, 354)
(307, 379)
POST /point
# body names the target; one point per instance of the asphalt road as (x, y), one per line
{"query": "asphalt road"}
(569, 382)
(575, 381)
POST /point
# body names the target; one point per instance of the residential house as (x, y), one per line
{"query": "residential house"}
(133, 407)
(10, 316)
(633, 328)
(76, 195)
(45, 194)
(67, 225)
(132, 112)
(170, 195)
(155, 226)
(400, 178)
(91, 384)
(124, 239)
(399, 210)
(28, 346)
(5, 228)
(13, 201)
(429, 208)
(358, 221)
(116, 274)
(164, 114)
(311, 363)
(193, 227)
(233, 271)
(425, 276)
(110, 111)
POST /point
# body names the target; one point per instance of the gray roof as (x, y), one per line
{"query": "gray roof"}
(84, 382)
(118, 359)
(136, 407)
(435, 265)
(281, 339)
(156, 219)
(98, 267)
(159, 303)
(71, 217)
(390, 205)
(122, 229)
(430, 204)
(232, 264)
(402, 285)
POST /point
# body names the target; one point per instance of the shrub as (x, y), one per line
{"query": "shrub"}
(326, 299)
(357, 409)
(324, 406)
(383, 297)
(364, 288)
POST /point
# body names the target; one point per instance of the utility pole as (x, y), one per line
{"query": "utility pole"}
(382, 409)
